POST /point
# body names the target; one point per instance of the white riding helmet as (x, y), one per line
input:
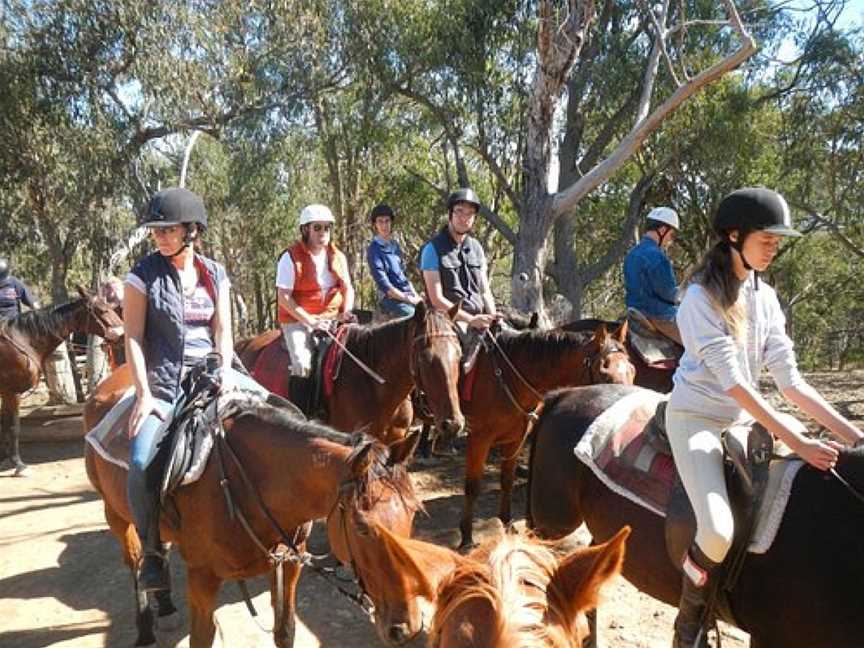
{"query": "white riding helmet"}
(316, 214)
(665, 215)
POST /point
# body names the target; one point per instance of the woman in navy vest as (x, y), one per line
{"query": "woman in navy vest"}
(176, 311)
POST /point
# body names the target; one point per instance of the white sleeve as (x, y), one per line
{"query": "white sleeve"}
(285, 272)
(135, 281)
(779, 352)
(706, 337)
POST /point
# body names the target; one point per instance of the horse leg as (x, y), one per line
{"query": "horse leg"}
(201, 592)
(424, 447)
(10, 432)
(284, 627)
(475, 460)
(509, 457)
(21, 469)
(130, 546)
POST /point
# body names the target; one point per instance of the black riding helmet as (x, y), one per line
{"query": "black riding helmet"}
(4, 268)
(466, 195)
(752, 209)
(174, 206)
(382, 209)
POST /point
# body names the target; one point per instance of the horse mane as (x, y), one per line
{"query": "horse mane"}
(285, 419)
(499, 573)
(380, 470)
(43, 321)
(544, 347)
(372, 341)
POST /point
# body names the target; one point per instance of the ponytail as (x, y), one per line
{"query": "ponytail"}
(716, 275)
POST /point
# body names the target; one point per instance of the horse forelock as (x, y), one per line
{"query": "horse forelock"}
(438, 323)
(393, 477)
(512, 577)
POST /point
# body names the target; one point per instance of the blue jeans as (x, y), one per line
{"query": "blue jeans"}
(142, 487)
(395, 308)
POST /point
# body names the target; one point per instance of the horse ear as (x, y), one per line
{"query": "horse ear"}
(422, 564)
(362, 462)
(454, 310)
(403, 449)
(534, 322)
(601, 334)
(420, 311)
(83, 292)
(580, 575)
(620, 334)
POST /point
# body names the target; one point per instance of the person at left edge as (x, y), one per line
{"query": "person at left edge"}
(13, 293)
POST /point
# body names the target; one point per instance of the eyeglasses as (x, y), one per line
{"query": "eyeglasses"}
(322, 227)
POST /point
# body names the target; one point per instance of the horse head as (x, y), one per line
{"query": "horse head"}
(435, 358)
(512, 591)
(95, 316)
(608, 360)
(376, 494)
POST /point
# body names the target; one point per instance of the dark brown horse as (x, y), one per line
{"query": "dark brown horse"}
(804, 592)
(296, 467)
(510, 381)
(26, 340)
(656, 378)
(421, 349)
(512, 592)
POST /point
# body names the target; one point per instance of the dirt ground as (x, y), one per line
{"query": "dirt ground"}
(62, 582)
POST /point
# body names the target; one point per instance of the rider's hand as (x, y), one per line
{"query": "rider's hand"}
(413, 298)
(481, 322)
(312, 322)
(145, 404)
(819, 454)
(346, 317)
(226, 380)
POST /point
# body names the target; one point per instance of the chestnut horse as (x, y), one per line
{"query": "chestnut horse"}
(421, 349)
(512, 592)
(655, 378)
(510, 380)
(804, 592)
(294, 469)
(26, 340)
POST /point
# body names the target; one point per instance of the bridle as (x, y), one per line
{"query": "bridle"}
(608, 348)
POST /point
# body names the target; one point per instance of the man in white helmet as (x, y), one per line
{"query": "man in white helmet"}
(313, 288)
(649, 281)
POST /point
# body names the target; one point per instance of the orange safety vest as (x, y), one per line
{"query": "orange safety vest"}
(307, 293)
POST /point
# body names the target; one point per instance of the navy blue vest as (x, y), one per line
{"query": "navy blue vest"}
(163, 329)
(461, 270)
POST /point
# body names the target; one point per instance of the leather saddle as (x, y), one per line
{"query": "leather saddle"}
(746, 461)
(653, 347)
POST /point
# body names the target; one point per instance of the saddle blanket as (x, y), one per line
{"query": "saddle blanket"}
(617, 452)
(110, 439)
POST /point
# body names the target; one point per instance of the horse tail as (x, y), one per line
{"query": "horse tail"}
(549, 402)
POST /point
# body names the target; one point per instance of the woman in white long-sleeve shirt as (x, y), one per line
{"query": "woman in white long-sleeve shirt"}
(732, 326)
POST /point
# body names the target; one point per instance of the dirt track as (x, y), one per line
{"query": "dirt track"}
(62, 582)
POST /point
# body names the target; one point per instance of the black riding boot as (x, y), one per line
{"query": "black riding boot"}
(154, 574)
(300, 390)
(691, 625)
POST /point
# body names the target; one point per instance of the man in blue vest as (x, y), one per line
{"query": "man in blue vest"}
(454, 270)
(13, 293)
(649, 281)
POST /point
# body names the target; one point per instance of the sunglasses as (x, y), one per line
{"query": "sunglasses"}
(319, 227)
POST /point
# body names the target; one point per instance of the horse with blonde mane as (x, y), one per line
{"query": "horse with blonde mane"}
(511, 592)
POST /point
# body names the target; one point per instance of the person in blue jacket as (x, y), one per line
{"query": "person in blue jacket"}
(396, 295)
(649, 281)
(13, 293)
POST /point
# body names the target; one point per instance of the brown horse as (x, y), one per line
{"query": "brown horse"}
(353, 532)
(421, 350)
(26, 340)
(656, 378)
(512, 592)
(510, 380)
(294, 469)
(803, 592)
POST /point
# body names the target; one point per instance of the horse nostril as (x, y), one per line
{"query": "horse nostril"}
(398, 633)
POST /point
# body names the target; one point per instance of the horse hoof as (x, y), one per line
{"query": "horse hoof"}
(23, 470)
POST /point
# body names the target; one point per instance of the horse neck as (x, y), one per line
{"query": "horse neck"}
(391, 364)
(555, 370)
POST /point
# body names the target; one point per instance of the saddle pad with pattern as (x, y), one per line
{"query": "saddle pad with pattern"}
(110, 439)
(620, 456)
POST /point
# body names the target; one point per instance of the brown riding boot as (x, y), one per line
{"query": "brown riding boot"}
(691, 624)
